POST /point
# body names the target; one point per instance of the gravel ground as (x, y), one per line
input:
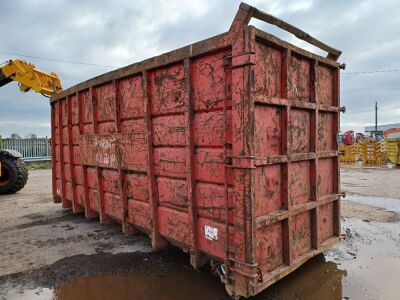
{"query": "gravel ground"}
(379, 182)
(35, 232)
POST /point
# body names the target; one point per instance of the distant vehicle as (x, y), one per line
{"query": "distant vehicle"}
(347, 138)
(391, 133)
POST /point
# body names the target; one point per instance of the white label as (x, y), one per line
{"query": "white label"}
(211, 233)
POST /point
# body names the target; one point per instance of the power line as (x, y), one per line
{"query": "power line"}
(108, 66)
(371, 72)
(57, 60)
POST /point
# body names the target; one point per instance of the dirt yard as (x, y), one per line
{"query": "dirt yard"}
(35, 232)
(379, 182)
(48, 253)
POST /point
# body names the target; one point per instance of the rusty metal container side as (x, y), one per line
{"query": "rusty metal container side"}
(226, 148)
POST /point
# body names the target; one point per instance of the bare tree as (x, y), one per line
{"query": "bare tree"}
(32, 136)
(15, 136)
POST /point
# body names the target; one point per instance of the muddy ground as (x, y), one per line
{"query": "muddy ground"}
(371, 181)
(48, 253)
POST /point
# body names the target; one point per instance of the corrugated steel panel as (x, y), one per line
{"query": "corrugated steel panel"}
(226, 148)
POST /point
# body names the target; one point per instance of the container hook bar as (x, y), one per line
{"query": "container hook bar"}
(246, 12)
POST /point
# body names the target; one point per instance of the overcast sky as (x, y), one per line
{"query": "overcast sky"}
(118, 33)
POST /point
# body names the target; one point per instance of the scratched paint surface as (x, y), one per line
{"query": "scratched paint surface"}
(295, 130)
(325, 136)
(230, 154)
(269, 71)
(299, 79)
(324, 88)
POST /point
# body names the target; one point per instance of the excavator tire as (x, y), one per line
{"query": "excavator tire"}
(14, 174)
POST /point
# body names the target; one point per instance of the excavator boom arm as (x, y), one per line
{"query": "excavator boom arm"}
(28, 77)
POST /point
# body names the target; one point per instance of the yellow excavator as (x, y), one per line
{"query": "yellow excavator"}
(13, 171)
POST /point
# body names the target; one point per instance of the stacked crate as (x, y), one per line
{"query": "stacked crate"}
(370, 152)
(348, 153)
(383, 153)
(392, 146)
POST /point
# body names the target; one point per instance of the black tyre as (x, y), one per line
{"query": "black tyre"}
(14, 174)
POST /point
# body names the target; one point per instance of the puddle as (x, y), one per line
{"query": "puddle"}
(370, 254)
(31, 294)
(391, 204)
(370, 208)
(176, 284)
(318, 279)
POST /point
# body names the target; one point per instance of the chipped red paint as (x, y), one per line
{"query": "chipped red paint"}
(226, 148)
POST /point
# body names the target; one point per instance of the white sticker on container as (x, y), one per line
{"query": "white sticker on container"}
(211, 233)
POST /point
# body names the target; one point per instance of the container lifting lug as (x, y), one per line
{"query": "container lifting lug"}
(227, 61)
(260, 275)
(342, 109)
(220, 270)
(342, 66)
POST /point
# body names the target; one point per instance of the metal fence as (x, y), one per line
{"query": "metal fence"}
(38, 149)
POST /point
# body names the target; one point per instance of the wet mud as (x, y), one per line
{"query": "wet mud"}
(370, 253)
(163, 275)
(317, 280)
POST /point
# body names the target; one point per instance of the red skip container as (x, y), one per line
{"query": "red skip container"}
(226, 148)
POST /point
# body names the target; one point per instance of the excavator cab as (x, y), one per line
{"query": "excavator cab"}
(13, 171)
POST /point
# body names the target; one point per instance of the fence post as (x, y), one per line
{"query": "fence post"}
(47, 146)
